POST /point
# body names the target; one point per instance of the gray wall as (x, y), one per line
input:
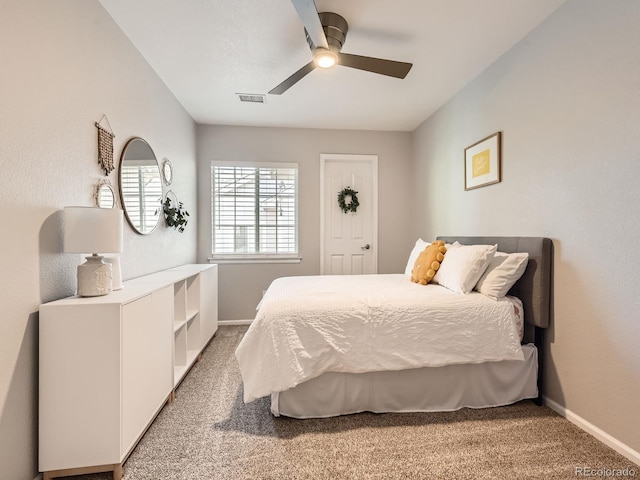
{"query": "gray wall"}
(64, 65)
(567, 100)
(241, 286)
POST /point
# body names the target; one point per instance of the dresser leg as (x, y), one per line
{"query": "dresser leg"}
(117, 472)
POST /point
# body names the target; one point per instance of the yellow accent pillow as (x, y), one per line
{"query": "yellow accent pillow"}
(428, 262)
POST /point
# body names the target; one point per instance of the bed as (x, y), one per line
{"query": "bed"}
(323, 346)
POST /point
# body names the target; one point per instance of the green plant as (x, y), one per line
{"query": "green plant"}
(175, 216)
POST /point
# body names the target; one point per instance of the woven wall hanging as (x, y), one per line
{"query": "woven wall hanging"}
(105, 146)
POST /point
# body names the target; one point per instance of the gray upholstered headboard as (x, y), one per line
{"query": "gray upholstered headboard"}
(535, 286)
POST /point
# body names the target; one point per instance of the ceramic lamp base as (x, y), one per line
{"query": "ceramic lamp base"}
(116, 273)
(94, 277)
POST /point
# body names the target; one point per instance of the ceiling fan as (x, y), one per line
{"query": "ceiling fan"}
(326, 33)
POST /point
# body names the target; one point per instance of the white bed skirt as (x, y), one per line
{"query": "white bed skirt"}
(431, 389)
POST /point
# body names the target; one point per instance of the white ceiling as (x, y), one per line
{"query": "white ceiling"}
(207, 51)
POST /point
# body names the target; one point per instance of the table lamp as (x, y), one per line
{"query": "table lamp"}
(92, 230)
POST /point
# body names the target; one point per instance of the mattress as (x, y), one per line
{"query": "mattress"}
(308, 326)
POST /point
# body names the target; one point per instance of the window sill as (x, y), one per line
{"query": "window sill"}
(253, 260)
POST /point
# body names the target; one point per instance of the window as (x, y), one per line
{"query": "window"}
(254, 211)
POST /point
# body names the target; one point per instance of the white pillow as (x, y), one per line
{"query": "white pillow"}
(418, 247)
(450, 246)
(503, 271)
(464, 265)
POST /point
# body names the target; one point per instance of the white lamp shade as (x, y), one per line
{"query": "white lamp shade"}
(92, 230)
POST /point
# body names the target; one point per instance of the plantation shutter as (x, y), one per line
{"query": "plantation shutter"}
(142, 192)
(254, 209)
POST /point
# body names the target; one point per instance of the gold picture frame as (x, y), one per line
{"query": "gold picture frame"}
(483, 162)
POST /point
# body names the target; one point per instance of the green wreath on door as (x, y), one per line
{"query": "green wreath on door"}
(348, 200)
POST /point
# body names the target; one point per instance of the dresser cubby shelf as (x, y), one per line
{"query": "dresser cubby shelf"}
(178, 325)
(107, 365)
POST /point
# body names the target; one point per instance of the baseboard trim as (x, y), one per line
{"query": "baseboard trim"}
(604, 437)
(234, 322)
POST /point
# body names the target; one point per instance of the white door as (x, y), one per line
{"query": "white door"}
(349, 240)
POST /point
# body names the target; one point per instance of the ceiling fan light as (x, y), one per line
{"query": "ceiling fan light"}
(325, 58)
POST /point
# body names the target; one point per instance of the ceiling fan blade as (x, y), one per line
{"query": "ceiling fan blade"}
(308, 13)
(293, 79)
(390, 68)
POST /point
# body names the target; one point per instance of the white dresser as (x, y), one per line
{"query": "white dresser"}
(109, 364)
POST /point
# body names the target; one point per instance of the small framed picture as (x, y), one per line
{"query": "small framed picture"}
(482, 162)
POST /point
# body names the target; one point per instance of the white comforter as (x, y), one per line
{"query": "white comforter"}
(306, 326)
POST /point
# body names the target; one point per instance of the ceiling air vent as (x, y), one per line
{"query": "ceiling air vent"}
(252, 98)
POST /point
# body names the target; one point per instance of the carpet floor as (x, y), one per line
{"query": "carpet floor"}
(209, 433)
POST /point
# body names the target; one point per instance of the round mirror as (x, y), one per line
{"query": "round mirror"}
(167, 171)
(140, 186)
(104, 196)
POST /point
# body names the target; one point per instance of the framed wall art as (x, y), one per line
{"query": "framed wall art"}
(482, 162)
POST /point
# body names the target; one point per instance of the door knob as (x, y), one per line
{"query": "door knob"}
(366, 247)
